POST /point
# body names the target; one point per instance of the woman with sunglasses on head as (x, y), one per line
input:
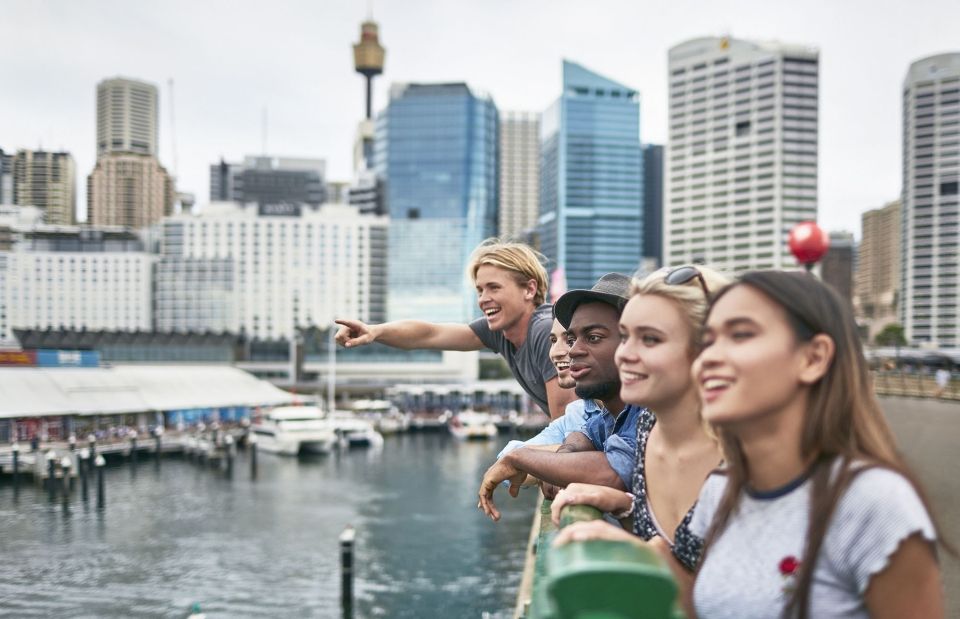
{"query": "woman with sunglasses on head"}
(659, 338)
(815, 513)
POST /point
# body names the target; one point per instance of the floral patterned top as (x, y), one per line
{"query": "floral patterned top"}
(687, 547)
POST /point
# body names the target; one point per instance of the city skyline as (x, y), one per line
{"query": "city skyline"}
(297, 64)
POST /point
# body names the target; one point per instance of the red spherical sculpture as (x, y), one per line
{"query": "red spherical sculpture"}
(808, 242)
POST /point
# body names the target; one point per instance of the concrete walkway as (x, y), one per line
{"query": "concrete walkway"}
(929, 435)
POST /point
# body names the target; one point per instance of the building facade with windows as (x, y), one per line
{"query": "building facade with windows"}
(519, 174)
(436, 152)
(127, 117)
(930, 312)
(591, 187)
(130, 190)
(741, 160)
(877, 280)
(48, 181)
(68, 277)
(267, 270)
(269, 180)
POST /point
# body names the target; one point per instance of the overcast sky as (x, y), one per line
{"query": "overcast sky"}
(230, 60)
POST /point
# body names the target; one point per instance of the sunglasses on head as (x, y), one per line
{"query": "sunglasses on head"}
(682, 275)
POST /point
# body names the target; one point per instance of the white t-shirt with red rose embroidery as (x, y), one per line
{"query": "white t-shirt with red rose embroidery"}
(748, 570)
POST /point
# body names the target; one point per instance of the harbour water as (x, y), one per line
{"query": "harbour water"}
(184, 534)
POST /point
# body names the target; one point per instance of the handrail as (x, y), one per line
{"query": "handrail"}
(595, 579)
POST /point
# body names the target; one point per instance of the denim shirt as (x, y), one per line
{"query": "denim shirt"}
(617, 439)
(574, 416)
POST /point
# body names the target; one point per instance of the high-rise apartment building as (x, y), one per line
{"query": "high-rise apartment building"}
(6, 178)
(653, 204)
(267, 270)
(519, 174)
(930, 310)
(877, 287)
(741, 161)
(48, 181)
(591, 188)
(436, 151)
(127, 113)
(269, 180)
(838, 265)
(130, 190)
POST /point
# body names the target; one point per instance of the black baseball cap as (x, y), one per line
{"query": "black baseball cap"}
(612, 288)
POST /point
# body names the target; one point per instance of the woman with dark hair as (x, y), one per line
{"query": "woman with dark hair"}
(815, 513)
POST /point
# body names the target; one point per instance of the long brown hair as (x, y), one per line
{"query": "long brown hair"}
(843, 421)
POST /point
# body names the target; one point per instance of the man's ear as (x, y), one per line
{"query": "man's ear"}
(817, 355)
(530, 290)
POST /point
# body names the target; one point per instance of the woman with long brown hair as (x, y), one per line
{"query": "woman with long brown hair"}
(815, 513)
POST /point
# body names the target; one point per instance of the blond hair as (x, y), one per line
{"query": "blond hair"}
(689, 297)
(521, 260)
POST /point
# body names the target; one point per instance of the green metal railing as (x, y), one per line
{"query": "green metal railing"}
(595, 579)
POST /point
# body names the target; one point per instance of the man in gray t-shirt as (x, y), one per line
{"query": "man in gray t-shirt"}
(511, 289)
(530, 364)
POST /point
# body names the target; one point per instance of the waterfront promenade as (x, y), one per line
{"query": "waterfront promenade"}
(929, 433)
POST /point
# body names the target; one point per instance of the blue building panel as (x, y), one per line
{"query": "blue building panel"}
(436, 151)
(592, 219)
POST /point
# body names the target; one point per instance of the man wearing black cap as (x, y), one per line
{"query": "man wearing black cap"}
(604, 450)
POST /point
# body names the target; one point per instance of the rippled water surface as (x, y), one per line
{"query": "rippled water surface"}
(269, 547)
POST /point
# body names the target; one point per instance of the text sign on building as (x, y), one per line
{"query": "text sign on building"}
(279, 210)
(68, 358)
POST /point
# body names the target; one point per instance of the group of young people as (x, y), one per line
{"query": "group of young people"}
(729, 424)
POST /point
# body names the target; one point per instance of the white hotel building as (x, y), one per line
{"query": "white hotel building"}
(930, 307)
(266, 270)
(741, 160)
(68, 277)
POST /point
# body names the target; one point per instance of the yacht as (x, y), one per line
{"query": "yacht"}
(468, 425)
(352, 431)
(386, 418)
(292, 430)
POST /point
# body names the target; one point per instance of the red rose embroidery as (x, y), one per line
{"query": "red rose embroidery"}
(789, 565)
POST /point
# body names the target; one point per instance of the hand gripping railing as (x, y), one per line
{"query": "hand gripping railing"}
(597, 579)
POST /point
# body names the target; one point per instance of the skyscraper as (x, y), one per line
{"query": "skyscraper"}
(653, 204)
(591, 196)
(930, 310)
(6, 178)
(130, 190)
(48, 181)
(742, 152)
(838, 265)
(519, 173)
(127, 117)
(436, 150)
(128, 186)
(877, 291)
(269, 180)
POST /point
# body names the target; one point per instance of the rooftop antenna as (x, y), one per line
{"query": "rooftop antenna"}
(173, 127)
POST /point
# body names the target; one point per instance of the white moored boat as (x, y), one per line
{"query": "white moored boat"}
(472, 425)
(292, 430)
(353, 431)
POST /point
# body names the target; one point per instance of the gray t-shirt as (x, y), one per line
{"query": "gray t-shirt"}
(530, 364)
(747, 570)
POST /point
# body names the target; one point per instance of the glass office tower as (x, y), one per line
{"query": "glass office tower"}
(436, 151)
(591, 187)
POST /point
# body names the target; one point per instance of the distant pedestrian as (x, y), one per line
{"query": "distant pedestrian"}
(943, 379)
